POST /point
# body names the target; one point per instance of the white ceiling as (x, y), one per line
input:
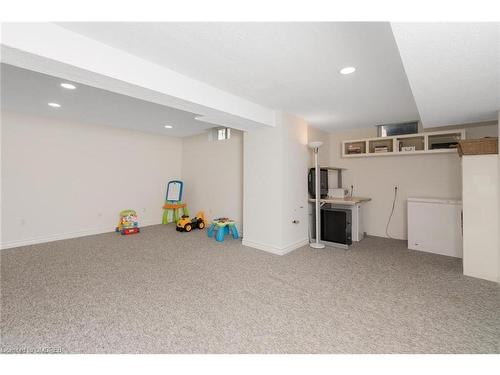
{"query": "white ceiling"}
(449, 71)
(29, 92)
(286, 66)
(453, 70)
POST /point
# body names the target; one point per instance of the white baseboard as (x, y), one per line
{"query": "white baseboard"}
(274, 249)
(65, 236)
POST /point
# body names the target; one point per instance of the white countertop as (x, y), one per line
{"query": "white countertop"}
(346, 201)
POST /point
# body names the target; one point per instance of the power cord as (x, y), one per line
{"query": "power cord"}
(392, 212)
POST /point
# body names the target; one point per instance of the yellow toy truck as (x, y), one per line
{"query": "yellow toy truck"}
(186, 224)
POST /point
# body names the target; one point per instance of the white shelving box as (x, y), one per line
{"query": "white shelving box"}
(438, 142)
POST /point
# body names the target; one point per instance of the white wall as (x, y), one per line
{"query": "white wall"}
(261, 186)
(480, 216)
(275, 188)
(66, 179)
(212, 172)
(430, 176)
(294, 181)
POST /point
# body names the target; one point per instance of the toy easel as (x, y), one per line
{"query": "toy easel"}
(173, 208)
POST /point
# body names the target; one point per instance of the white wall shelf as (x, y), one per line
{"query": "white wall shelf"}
(423, 143)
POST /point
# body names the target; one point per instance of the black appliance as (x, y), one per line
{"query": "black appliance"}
(336, 226)
(323, 182)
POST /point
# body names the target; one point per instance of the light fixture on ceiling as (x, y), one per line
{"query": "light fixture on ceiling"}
(168, 126)
(68, 86)
(54, 105)
(347, 70)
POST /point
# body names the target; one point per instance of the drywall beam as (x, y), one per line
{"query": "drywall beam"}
(52, 49)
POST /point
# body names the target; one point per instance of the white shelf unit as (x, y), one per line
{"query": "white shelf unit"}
(424, 143)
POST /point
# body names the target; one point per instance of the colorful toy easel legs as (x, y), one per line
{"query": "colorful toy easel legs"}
(223, 228)
(172, 212)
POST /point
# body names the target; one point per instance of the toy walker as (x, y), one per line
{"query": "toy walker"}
(223, 226)
(128, 223)
(174, 209)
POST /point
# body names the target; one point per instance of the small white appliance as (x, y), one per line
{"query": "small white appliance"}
(408, 148)
(435, 226)
(338, 193)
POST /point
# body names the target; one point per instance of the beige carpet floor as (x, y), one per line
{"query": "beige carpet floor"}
(168, 292)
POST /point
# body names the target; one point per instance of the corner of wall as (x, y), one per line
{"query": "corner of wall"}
(275, 172)
(277, 250)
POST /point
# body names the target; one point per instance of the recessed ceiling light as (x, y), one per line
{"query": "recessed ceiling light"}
(68, 86)
(55, 105)
(168, 126)
(347, 70)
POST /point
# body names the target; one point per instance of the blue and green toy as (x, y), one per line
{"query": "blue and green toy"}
(223, 226)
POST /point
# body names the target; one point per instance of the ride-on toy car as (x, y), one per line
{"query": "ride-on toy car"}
(186, 224)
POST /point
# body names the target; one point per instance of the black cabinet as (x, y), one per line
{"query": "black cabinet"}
(336, 226)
